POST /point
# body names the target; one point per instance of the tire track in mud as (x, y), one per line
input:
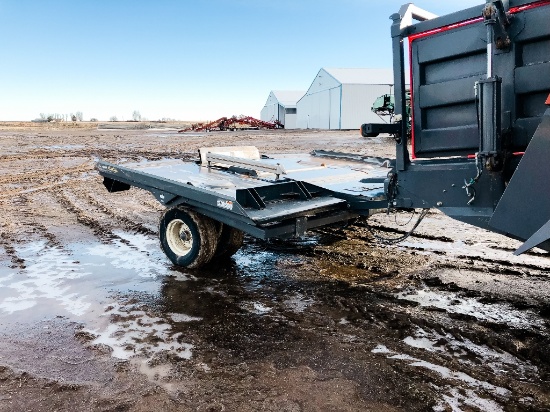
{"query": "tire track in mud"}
(517, 270)
(376, 304)
(443, 341)
(51, 240)
(7, 242)
(152, 204)
(31, 227)
(45, 174)
(8, 196)
(474, 262)
(102, 231)
(36, 179)
(128, 153)
(387, 229)
(12, 228)
(128, 223)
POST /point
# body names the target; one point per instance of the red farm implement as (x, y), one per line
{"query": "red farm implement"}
(233, 123)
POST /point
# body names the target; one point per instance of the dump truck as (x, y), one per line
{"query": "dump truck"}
(479, 127)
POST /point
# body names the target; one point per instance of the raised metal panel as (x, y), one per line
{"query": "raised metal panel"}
(533, 78)
(441, 140)
(535, 52)
(456, 68)
(458, 42)
(454, 91)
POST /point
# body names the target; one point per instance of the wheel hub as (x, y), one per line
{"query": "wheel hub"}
(179, 237)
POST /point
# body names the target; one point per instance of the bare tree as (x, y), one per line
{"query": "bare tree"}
(136, 116)
(79, 116)
(113, 119)
(43, 116)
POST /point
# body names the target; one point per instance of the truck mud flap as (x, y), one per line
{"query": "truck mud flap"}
(114, 185)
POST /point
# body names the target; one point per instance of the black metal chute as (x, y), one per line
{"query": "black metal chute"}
(542, 235)
(524, 209)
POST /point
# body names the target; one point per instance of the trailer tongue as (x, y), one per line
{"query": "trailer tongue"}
(234, 190)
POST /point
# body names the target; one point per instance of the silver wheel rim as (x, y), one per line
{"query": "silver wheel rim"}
(179, 237)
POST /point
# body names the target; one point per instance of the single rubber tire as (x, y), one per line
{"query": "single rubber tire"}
(230, 241)
(188, 238)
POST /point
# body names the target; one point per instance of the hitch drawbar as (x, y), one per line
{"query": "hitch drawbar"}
(374, 129)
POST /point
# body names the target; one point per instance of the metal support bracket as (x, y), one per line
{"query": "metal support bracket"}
(243, 163)
(494, 15)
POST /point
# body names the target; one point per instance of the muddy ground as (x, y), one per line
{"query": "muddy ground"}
(94, 317)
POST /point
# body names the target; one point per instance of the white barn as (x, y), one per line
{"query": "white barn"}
(342, 98)
(281, 106)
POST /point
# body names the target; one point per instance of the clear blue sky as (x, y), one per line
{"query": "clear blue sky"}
(183, 59)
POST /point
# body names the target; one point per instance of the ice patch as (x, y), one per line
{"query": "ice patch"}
(46, 279)
(455, 400)
(180, 317)
(134, 332)
(5, 279)
(260, 308)
(451, 302)
(298, 303)
(452, 396)
(256, 308)
(461, 348)
(11, 305)
(446, 373)
(381, 349)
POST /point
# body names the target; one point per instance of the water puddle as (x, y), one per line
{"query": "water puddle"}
(45, 279)
(134, 306)
(259, 257)
(72, 280)
(135, 253)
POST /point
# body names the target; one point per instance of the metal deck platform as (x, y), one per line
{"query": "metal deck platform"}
(268, 194)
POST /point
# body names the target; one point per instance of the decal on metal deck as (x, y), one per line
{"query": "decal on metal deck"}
(225, 204)
(109, 168)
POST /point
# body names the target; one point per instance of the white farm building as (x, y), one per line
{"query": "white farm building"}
(342, 98)
(281, 106)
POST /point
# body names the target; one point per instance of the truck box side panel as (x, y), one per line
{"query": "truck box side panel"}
(445, 66)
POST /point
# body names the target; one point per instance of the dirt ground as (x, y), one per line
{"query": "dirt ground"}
(93, 317)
